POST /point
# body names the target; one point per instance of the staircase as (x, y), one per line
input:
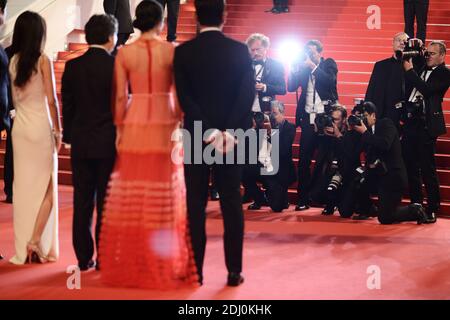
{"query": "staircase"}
(340, 25)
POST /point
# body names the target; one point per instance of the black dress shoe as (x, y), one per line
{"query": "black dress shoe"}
(301, 207)
(214, 195)
(254, 206)
(234, 279)
(284, 10)
(329, 210)
(86, 266)
(1, 257)
(420, 212)
(431, 216)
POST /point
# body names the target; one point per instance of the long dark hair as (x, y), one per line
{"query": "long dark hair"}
(28, 38)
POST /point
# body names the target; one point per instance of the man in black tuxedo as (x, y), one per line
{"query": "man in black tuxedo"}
(386, 87)
(173, 8)
(317, 77)
(417, 9)
(426, 85)
(216, 87)
(89, 129)
(387, 169)
(277, 183)
(121, 10)
(269, 73)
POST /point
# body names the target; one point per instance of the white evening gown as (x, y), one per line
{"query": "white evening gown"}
(35, 162)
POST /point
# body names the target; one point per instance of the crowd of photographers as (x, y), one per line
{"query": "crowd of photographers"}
(385, 146)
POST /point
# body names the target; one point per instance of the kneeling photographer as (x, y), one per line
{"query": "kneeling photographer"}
(327, 176)
(384, 169)
(276, 185)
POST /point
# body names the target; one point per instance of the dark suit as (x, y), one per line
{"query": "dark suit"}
(326, 87)
(386, 89)
(416, 9)
(384, 145)
(173, 8)
(273, 78)
(89, 128)
(215, 85)
(7, 122)
(121, 10)
(420, 134)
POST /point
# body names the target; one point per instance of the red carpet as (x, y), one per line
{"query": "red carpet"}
(287, 256)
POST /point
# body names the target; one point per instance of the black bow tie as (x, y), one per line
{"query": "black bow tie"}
(258, 62)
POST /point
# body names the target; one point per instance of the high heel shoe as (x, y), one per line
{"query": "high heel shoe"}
(35, 253)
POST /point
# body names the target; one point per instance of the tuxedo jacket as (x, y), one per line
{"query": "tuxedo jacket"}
(86, 98)
(121, 10)
(215, 82)
(273, 78)
(326, 85)
(433, 91)
(384, 144)
(386, 87)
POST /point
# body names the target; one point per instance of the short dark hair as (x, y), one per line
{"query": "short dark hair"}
(148, 14)
(3, 5)
(99, 28)
(369, 107)
(315, 43)
(210, 12)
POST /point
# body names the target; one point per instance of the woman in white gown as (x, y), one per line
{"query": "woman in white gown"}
(36, 137)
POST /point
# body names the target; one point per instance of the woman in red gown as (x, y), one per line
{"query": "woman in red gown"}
(145, 239)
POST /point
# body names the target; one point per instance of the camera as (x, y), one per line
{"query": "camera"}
(413, 110)
(324, 120)
(336, 179)
(259, 118)
(354, 120)
(357, 117)
(266, 103)
(413, 48)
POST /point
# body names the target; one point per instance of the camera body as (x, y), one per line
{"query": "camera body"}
(336, 179)
(357, 117)
(324, 120)
(413, 110)
(259, 118)
(413, 48)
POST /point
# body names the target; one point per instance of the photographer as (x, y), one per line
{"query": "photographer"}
(328, 174)
(317, 77)
(276, 185)
(269, 73)
(425, 123)
(386, 85)
(384, 169)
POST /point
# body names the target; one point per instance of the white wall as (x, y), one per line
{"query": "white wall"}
(61, 16)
